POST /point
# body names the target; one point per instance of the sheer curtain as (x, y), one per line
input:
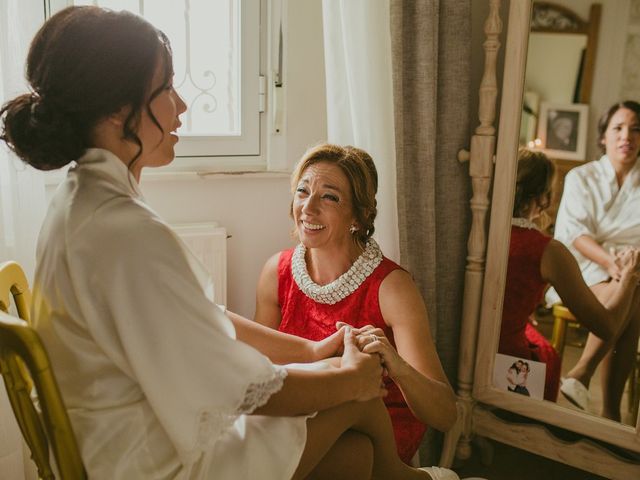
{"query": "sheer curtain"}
(22, 193)
(357, 43)
(398, 79)
(22, 200)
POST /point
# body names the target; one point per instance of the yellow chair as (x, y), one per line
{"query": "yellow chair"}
(24, 363)
(19, 343)
(13, 282)
(562, 318)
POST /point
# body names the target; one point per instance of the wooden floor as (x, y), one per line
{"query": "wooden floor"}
(509, 463)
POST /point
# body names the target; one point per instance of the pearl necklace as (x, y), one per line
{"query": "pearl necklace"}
(524, 223)
(345, 284)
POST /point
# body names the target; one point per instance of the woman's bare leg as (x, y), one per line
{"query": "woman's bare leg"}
(351, 457)
(596, 349)
(617, 355)
(617, 365)
(366, 418)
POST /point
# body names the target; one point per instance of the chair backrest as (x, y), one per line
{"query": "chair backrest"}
(13, 282)
(24, 363)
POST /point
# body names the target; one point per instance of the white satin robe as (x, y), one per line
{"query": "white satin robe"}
(154, 381)
(592, 204)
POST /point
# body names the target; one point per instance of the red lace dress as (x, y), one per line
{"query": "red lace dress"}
(306, 318)
(523, 291)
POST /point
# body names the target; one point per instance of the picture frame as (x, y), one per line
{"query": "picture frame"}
(562, 130)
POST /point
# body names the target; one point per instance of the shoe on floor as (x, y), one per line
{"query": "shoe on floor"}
(575, 392)
(438, 473)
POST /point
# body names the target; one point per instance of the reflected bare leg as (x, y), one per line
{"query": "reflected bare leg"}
(617, 365)
(596, 349)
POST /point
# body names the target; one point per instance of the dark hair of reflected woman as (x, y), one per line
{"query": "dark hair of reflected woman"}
(534, 178)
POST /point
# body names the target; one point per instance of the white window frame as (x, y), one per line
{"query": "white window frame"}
(245, 152)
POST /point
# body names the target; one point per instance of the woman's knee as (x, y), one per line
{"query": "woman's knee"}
(351, 457)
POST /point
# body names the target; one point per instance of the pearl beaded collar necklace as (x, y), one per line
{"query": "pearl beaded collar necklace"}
(524, 223)
(345, 284)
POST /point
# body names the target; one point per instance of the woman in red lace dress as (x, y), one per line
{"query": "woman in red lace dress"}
(338, 273)
(535, 260)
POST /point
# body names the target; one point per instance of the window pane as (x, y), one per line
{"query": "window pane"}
(205, 38)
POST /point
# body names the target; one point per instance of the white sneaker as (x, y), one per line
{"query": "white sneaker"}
(438, 473)
(575, 392)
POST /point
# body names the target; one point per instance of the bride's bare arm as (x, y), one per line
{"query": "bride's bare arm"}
(359, 378)
(283, 348)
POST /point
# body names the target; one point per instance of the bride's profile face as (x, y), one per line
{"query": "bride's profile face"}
(159, 139)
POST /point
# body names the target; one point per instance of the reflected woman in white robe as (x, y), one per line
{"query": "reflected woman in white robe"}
(159, 382)
(597, 220)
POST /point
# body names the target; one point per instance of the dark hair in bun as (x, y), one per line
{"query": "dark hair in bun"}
(84, 64)
(534, 178)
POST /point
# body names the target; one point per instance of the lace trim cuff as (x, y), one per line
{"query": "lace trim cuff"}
(258, 394)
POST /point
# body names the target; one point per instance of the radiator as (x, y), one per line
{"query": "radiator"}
(208, 241)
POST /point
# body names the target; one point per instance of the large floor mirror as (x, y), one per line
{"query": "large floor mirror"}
(565, 63)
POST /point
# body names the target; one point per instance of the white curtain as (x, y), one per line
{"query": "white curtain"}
(357, 43)
(22, 193)
(22, 200)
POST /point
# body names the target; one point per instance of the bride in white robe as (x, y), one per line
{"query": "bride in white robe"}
(597, 220)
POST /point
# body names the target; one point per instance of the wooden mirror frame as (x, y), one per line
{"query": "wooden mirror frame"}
(478, 399)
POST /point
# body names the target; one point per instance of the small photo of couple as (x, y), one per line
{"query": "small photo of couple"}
(519, 375)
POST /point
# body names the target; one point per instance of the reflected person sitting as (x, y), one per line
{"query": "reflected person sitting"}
(536, 260)
(337, 272)
(597, 221)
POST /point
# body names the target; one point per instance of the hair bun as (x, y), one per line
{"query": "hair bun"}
(41, 136)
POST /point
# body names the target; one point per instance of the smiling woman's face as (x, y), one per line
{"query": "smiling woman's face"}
(322, 207)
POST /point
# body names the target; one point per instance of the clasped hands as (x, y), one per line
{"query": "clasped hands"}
(626, 261)
(368, 352)
(373, 341)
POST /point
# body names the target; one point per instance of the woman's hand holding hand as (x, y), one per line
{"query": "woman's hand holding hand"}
(613, 269)
(332, 346)
(373, 340)
(629, 260)
(367, 369)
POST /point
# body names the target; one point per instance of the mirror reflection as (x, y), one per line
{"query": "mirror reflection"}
(571, 314)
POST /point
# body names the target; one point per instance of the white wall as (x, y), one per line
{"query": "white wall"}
(253, 209)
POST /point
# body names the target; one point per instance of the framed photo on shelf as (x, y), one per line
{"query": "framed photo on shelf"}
(562, 130)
